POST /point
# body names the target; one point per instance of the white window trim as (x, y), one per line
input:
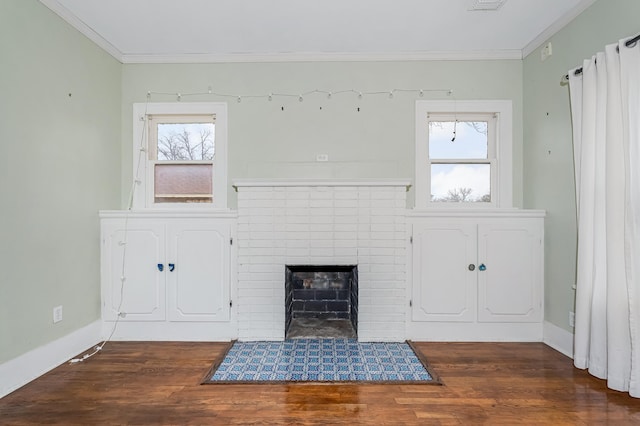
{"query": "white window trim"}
(143, 186)
(504, 150)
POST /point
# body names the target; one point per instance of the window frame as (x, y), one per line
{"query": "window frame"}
(501, 161)
(143, 165)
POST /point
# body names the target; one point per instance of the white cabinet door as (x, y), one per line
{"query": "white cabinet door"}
(444, 287)
(509, 284)
(198, 270)
(131, 271)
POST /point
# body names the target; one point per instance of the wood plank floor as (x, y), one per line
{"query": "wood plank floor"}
(158, 383)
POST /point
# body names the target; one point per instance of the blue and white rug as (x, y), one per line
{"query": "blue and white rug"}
(320, 360)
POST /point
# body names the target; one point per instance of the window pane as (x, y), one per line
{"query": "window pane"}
(183, 183)
(470, 139)
(462, 183)
(186, 141)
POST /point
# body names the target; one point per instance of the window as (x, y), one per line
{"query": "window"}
(461, 157)
(183, 155)
(463, 154)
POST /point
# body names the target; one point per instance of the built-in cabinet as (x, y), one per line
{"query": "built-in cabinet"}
(476, 276)
(470, 275)
(162, 270)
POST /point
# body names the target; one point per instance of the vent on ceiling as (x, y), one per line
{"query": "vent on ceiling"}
(487, 4)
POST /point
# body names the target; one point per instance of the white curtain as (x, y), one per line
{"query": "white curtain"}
(605, 105)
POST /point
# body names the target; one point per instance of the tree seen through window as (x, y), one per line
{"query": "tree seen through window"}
(186, 141)
(460, 166)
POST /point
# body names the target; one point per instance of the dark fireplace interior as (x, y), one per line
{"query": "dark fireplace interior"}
(321, 301)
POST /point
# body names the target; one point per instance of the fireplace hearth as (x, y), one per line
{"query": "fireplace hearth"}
(321, 301)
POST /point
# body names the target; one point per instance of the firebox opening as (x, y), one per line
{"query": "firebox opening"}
(321, 301)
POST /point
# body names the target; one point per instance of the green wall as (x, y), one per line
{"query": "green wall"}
(59, 164)
(548, 155)
(66, 157)
(377, 141)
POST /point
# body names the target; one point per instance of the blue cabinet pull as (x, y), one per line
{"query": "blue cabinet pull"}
(172, 266)
(160, 267)
(482, 267)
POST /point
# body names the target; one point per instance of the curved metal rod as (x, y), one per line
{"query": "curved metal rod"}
(629, 43)
(632, 41)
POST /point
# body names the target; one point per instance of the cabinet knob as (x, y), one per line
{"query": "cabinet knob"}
(160, 267)
(472, 266)
(482, 267)
(172, 266)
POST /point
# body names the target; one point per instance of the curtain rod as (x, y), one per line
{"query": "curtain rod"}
(629, 43)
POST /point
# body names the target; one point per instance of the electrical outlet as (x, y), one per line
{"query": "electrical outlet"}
(57, 314)
(546, 51)
(572, 319)
(322, 157)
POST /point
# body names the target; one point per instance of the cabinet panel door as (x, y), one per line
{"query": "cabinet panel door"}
(133, 254)
(200, 281)
(509, 289)
(444, 289)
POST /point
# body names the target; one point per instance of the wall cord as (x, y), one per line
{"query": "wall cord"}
(123, 243)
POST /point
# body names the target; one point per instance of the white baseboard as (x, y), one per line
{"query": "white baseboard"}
(558, 338)
(19, 371)
(474, 332)
(170, 331)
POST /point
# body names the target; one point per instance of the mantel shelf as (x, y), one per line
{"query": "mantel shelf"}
(238, 183)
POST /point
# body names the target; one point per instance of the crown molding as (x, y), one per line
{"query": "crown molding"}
(197, 58)
(556, 26)
(202, 58)
(84, 29)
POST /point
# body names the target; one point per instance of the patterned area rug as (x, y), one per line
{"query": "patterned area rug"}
(321, 360)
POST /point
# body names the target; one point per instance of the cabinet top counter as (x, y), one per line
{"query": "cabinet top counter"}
(474, 213)
(169, 214)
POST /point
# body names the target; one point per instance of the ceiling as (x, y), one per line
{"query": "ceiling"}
(142, 31)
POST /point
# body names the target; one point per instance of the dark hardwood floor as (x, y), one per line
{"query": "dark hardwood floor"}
(159, 383)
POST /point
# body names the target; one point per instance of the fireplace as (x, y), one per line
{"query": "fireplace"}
(321, 301)
(322, 222)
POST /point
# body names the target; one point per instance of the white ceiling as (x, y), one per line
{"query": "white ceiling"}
(280, 30)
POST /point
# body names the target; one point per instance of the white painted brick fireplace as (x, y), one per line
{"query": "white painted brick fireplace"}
(323, 222)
